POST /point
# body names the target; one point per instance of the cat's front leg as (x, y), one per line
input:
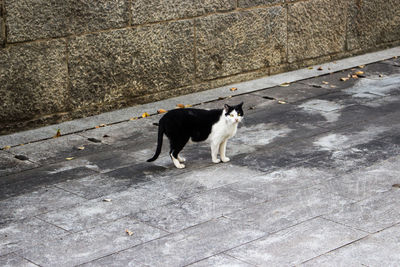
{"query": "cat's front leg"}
(214, 153)
(222, 151)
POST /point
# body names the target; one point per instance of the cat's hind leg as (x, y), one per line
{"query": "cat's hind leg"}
(176, 147)
(222, 151)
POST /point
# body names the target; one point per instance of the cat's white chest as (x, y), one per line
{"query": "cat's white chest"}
(222, 131)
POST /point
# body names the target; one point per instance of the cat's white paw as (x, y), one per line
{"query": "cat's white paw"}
(181, 159)
(216, 160)
(180, 166)
(226, 159)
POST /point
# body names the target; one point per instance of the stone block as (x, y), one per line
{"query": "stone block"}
(371, 23)
(2, 25)
(316, 28)
(39, 19)
(253, 3)
(33, 81)
(228, 44)
(113, 68)
(144, 11)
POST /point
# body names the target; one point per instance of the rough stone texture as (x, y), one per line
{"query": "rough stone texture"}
(38, 19)
(372, 22)
(254, 3)
(33, 80)
(315, 28)
(237, 42)
(113, 68)
(144, 11)
(2, 25)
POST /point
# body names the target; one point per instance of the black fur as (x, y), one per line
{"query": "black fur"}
(180, 125)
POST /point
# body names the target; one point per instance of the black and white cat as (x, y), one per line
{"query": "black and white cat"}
(182, 125)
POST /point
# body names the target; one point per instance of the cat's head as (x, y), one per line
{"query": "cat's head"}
(233, 114)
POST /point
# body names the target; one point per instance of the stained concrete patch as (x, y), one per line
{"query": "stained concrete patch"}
(261, 134)
(185, 247)
(379, 86)
(82, 247)
(329, 110)
(308, 239)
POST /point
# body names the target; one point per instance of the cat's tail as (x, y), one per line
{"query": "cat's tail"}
(159, 143)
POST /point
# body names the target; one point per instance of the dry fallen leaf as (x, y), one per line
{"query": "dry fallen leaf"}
(359, 72)
(180, 106)
(161, 111)
(310, 68)
(58, 134)
(320, 68)
(344, 79)
(361, 66)
(71, 158)
(324, 82)
(284, 84)
(233, 89)
(333, 86)
(380, 75)
(81, 147)
(133, 118)
(129, 232)
(144, 115)
(188, 106)
(354, 76)
(281, 102)
(107, 200)
(6, 147)
(97, 126)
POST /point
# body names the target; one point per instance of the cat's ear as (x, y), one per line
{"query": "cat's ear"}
(240, 105)
(226, 107)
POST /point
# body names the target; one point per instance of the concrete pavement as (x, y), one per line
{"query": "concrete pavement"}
(314, 180)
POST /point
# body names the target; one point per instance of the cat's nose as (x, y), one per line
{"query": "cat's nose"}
(237, 120)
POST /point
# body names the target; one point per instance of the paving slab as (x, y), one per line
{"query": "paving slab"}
(183, 214)
(185, 247)
(9, 164)
(98, 211)
(21, 234)
(308, 239)
(82, 247)
(12, 259)
(372, 214)
(380, 249)
(283, 212)
(221, 260)
(34, 203)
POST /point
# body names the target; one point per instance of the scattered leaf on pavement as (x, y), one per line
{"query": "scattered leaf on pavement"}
(6, 147)
(107, 200)
(144, 115)
(354, 76)
(344, 79)
(361, 66)
(81, 147)
(380, 75)
(324, 82)
(310, 68)
(320, 68)
(396, 185)
(161, 111)
(284, 84)
(180, 106)
(133, 118)
(58, 134)
(129, 232)
(281, 102)
(71, 158)
(188, 106)
(359, 72)
(233, 89)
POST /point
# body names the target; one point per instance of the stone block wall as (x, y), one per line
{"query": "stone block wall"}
(67, 59)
